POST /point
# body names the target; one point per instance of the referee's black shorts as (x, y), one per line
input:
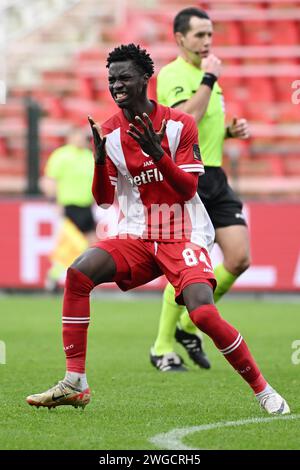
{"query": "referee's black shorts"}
(82, 217)
(222, 204)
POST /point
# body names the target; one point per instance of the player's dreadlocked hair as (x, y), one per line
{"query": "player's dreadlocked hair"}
(139, 57)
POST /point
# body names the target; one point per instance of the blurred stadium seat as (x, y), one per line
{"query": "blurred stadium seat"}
(257, 41)
(227, 34)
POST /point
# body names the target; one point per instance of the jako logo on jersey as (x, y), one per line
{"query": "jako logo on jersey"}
(145, 177)
(148, 163)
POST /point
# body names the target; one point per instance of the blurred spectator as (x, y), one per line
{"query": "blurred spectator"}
(68, 180)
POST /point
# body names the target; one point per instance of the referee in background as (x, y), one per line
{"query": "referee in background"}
(190, 83)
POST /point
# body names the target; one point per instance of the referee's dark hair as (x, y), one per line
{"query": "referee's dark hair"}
(181, 22)
(138, 56)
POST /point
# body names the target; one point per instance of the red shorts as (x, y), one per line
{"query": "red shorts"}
(140, 261)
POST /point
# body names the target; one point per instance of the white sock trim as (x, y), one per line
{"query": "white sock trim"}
(76, 322)
(232, 346)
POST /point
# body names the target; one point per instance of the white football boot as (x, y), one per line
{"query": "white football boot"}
(274, 404)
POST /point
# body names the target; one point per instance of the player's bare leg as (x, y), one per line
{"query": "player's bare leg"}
(235, 246)
(175, 320)
(93, 267)
(199, 302)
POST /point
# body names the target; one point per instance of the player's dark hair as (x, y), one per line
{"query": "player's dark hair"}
(181, 22)
(138, 56)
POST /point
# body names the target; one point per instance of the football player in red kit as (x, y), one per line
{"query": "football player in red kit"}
(150, 154)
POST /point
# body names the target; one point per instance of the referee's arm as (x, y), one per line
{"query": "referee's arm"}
(197, 104)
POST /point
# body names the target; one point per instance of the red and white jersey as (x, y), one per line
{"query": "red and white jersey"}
(150, 207)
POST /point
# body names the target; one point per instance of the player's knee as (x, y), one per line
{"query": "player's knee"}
(238, 263)
(197, 295)
(243, 263)
(96, 264)
(197, 302)
(205, 318)
(78, 282)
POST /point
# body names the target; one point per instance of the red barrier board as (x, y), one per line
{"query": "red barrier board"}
(28, 232)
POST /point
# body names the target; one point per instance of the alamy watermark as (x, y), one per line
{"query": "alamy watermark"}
(295, 357)
(296, 94)
(162, 221)
(2, 352)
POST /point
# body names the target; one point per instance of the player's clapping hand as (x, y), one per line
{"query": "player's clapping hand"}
(148, 139)
(239, 128)
(99, 142)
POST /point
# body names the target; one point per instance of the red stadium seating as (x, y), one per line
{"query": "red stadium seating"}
(255, 33)
(227, 34)
(292, 164)
(284, 33)
(69, 94)
(283, 88)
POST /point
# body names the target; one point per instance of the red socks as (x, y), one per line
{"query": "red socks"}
(76, 318)
(230, 343)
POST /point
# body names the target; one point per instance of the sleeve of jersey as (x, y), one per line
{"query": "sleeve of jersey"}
(171, 89)
(184, 183)
(183, 173)
(104, 183)
(188, 156)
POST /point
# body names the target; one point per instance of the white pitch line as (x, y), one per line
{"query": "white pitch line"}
(172, 440)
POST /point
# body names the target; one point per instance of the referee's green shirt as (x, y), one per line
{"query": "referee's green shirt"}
(73, 170)
(177, 82)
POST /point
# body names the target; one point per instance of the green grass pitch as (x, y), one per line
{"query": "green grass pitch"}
(131, 401)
